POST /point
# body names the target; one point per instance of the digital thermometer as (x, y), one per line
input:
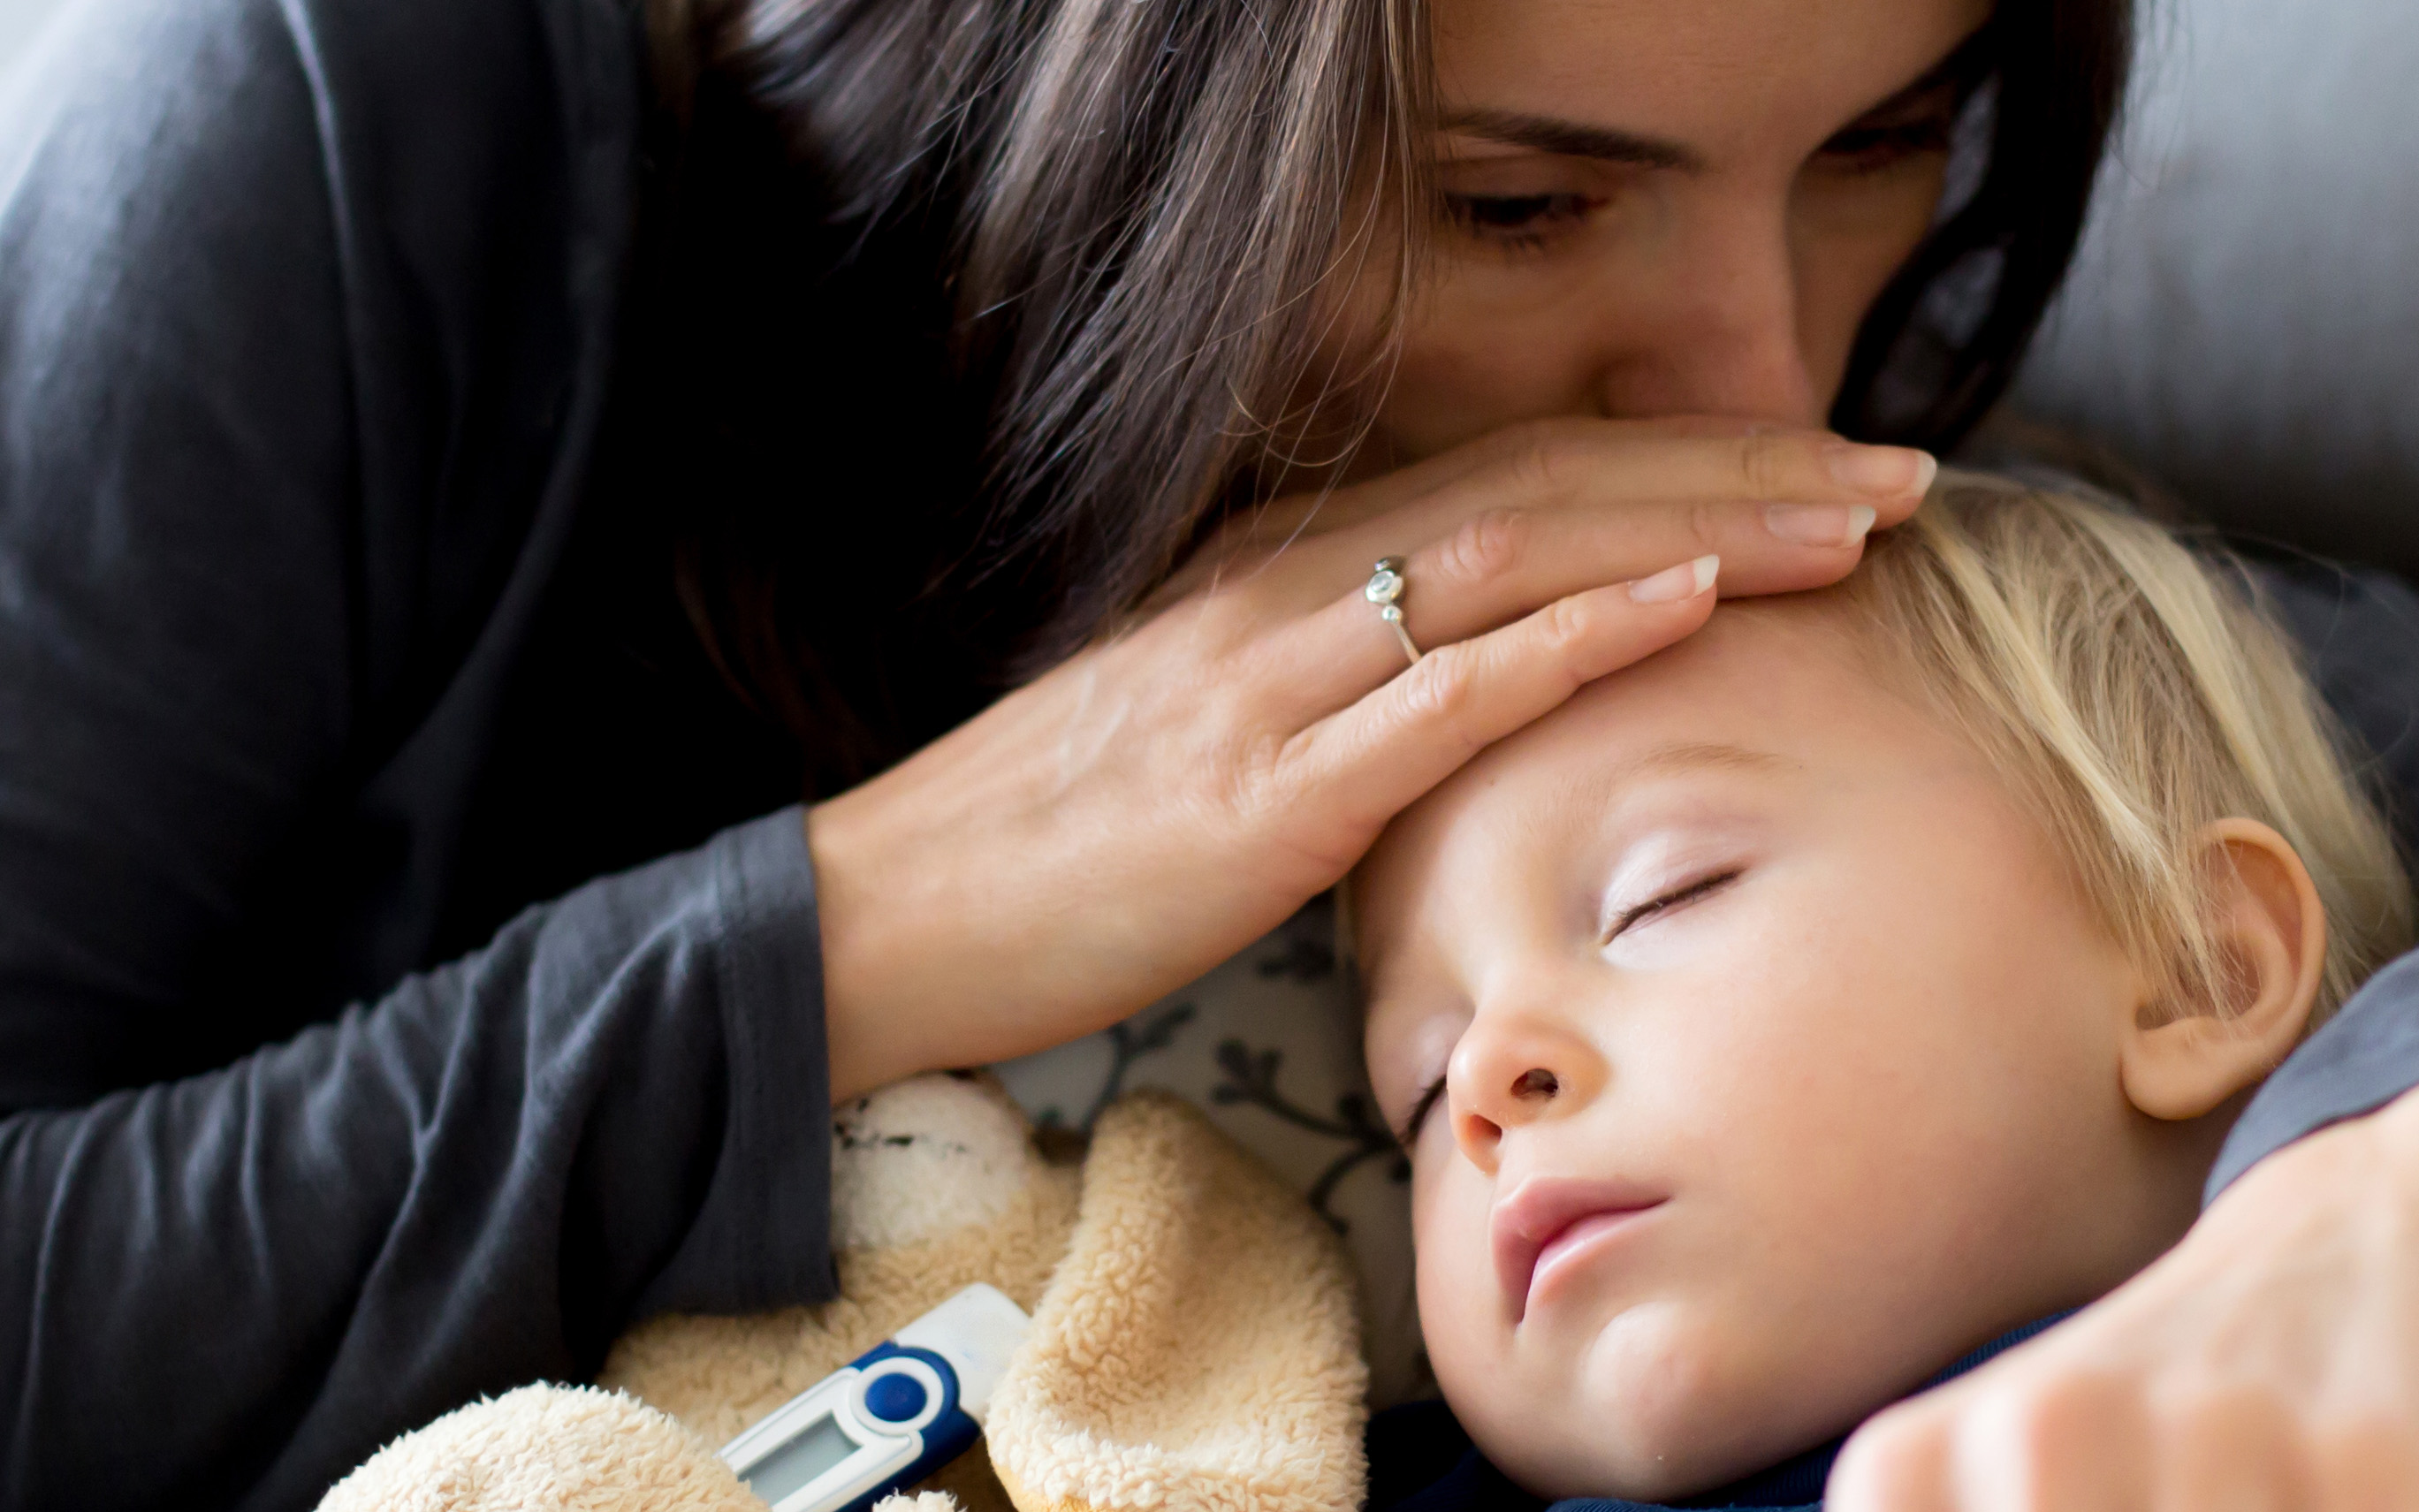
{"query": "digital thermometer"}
(888, 1418)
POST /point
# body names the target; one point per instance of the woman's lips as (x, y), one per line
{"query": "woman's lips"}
(1547, 1220)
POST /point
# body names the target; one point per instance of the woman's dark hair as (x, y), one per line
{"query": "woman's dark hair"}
(1143, 210)
(1145, 201)
(1941, 344)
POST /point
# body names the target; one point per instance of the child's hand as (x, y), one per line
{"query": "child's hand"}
(2271, 1361)
(1108, 832)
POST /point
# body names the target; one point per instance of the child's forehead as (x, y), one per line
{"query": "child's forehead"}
(1767, 694)
(1761, 676)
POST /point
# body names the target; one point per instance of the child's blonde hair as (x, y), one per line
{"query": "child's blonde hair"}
(2136, 692)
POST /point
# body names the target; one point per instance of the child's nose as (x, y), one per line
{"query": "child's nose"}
(1515, 1068)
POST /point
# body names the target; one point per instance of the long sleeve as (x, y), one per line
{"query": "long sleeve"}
(2359, 631)
(306, 311)
(2362, 1059)
(227, 1291)
(306, 319)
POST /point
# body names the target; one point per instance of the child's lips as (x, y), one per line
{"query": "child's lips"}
(1548, 1219)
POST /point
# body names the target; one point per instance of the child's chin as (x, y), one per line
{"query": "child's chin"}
(1658, 1414)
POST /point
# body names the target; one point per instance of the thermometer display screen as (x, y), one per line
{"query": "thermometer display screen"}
(822, 1445)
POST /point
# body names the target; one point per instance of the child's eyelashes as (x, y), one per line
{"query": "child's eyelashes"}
(1667, 902)
(1409, 1133)
(1700, 886)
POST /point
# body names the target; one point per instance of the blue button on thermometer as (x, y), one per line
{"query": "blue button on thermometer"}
(890, 1417)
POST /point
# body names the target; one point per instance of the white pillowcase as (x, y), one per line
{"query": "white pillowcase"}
(1269, 1046)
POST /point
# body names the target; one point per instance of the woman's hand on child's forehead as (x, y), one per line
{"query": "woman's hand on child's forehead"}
(1245, 740)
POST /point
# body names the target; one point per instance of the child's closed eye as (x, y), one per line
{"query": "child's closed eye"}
(1667, 902)
(1409, 1133)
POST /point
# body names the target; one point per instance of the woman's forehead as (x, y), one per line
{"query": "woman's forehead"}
(1711, 78)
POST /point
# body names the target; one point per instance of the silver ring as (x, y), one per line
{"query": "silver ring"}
(1384, 587)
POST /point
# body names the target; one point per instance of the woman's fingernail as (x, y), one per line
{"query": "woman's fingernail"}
(1673, 584)
(1883, 469)
(1819, 524)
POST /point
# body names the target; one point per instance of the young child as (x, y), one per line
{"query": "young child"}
(1865, 979)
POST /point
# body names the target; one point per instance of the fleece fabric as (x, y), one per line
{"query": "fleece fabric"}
(1193, 1347)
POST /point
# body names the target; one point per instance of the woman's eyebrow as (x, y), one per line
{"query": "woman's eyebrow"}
(1573, 139)
(1962, 68)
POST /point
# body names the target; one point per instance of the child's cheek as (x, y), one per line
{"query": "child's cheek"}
(1465, 1326)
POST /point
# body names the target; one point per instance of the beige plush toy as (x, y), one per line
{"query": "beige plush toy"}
(1194, 1346)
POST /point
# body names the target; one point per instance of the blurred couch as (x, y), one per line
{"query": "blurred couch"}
(2243, 322)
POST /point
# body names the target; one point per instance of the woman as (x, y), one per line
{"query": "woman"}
(454, 451)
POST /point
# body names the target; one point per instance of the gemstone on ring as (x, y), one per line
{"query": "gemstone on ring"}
(1386, 585)
(1385, 582)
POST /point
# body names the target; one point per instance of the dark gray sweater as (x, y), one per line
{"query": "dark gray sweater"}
(309, 313)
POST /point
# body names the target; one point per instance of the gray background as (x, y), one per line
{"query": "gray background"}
(2246, 317)
(19, 21)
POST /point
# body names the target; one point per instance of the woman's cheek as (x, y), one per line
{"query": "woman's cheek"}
(1849, 241)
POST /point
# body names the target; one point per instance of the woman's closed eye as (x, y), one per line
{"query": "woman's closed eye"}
(1667, 902)
(1868, 149)
(1519, 221)
(1918, 127)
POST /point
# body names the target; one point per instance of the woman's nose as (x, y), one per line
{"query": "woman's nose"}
(1719, 333)
(1513, 1069)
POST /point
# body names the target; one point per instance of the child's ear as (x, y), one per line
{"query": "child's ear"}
(2271, 935)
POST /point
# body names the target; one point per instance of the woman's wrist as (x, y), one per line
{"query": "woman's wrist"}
(2360, 1164)
(2396, 1129)
(874, 1038)
(961, 927)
